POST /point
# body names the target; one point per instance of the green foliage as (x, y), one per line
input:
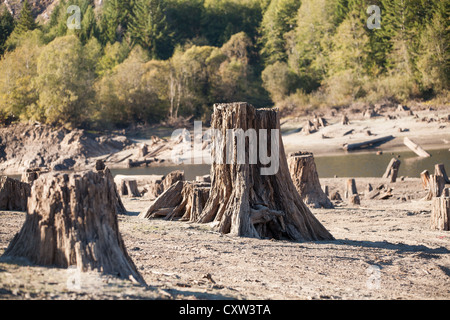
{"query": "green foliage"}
(18, 92)
(279, 19)
(26, 20)
(64, 82)
(6, 27)
(146, 60)
(148, 28)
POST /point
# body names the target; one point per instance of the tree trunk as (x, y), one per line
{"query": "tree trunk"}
(169, 179)
(425, 177)
(72, 220)
(127, 186)
(31, 174)
(344, 120)
(306, 180)
(13, 194)
(184, 200)
(439, 170)
(252, 199)
(392, 169)
(416, 148)
(351, 194)
(440, 213)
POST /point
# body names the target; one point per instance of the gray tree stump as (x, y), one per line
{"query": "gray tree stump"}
(72, 221)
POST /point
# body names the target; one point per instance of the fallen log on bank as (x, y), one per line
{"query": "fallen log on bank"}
(416, 148)
(367, 144)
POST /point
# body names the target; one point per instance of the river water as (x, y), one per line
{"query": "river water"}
(357, 164)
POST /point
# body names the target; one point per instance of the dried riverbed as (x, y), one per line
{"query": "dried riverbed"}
(384, 249)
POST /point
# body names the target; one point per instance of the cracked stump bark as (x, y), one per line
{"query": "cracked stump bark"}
(243, 201)
(72, 220)
(306, 179)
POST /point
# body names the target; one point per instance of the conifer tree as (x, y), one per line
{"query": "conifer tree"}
(26, 20)
(6, 27)
(148, 28)
(279, 18)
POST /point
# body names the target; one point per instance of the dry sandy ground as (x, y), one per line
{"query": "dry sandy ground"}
(384, 249)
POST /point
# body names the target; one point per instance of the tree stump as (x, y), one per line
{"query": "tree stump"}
(170, 179)
(31, 174)
(392, 169)
(344, 120)
(435, 184)
(351, 194)
(184, 200)
(425, 178)
(439, 170)
(335, 196)
(72, 220)
(249, 198)
(13, 194)
(440, 213)
(306, 180)
(127, 186)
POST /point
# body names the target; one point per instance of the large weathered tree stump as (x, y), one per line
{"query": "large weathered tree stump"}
(72, 221)
(440, 213)
(306, 180)
(184, 200)
(392, 169)
(13, 194)
(249, 197)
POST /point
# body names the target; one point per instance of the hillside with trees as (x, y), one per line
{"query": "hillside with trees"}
(146, 61)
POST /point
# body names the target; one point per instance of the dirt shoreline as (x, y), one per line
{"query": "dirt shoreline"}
(384, 249)
(24, 146)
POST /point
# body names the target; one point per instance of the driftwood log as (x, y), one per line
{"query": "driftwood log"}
(72, 221)
(184, 200)
(13, 194)
(253, 199)
(306, 180)
(366, 144)
(392, 169)
(415, 148)
(440, 213)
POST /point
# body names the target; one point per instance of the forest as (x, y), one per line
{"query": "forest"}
(132, 62)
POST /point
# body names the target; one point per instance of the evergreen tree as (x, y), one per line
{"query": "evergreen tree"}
(6, 27)
(26, 20)
(399, 28)
(148, 28)
(434, 52)
(348, 59)
(279, 18)
(115, 19)
(309, 44)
